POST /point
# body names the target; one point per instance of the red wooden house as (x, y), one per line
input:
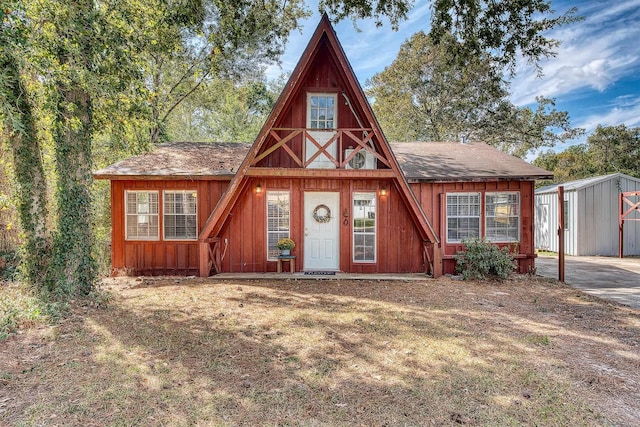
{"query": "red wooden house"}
(322, 173)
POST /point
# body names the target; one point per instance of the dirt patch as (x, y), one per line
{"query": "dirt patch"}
(173, 351)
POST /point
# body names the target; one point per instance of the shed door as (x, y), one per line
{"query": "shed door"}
(321, 231)
(542, 227)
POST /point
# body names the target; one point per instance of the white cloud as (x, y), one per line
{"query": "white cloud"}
(594, 53)
(624, 110)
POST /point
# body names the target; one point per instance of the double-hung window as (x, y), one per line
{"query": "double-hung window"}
(141, 215)
(463, 216)
(502, 212)
(364, 227)
(180, 215)
(278, 224)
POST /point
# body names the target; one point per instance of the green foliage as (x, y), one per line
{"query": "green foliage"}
(505, 29)
(609, 149)
(18, 305)
(615, 149)
(481, 259)
(394, 10)
(427, 94)
(223, 110)
(19, 123)
(9, 262)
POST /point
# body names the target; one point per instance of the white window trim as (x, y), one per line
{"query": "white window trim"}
(278, 192)
(446, 207)
(375, 231)
(335, 109)
(126, 215)
(183, 191)
(519, 216)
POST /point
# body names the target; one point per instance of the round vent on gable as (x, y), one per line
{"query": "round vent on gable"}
(358, 160)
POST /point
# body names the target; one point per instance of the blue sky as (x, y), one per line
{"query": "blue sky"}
(595, 75)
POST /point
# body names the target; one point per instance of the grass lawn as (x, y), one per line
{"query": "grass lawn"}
(173, 351)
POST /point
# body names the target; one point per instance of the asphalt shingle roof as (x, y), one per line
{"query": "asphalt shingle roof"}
(421, 161)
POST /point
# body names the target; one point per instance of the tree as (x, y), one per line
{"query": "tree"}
(223, 110)
(503, 29)
(522, 130)
(615, 149)
(428, 95)
(185, 49)
(609, 149)
(71, 46)
(569, 165)
(22, 138)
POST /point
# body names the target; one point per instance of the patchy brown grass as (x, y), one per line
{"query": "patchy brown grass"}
(325, 352)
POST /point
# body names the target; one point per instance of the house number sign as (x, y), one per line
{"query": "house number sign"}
(322, 214)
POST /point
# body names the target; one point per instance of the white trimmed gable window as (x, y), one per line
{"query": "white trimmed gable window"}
(141, 215)
(278, 225)
(180, 215)
(463, 216)
(321, 111)
(502, 217)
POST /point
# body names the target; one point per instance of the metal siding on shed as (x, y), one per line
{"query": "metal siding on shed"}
(592, 217)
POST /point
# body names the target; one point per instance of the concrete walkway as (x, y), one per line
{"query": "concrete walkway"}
(606, 277)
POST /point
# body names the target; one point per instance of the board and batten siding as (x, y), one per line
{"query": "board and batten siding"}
(592, 218)
(430, 196)
(158, 257)
(399, 247)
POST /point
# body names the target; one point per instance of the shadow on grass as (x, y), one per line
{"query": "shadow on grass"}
(323, 353)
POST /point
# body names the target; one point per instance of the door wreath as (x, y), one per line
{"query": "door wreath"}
(322, 214)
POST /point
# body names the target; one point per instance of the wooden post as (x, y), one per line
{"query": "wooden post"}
(204, 266)
(437, 261)
(561, 233)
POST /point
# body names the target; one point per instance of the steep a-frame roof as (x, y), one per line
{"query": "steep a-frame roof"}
(325, 32)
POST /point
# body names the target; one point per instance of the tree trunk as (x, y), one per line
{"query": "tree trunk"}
(31, 188)
(74, 269)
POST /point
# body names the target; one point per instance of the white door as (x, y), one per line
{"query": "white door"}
(321, 231)
(542, 227)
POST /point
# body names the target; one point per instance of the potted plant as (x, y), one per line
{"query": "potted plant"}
(285, 245)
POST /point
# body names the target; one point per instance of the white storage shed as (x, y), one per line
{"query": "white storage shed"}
(591, 216)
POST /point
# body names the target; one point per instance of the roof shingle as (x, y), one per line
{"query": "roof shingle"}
(420, 161)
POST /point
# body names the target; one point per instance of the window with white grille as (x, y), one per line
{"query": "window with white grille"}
(364, 227)
(502, 212)
(278, 225)
(141, 215)
(463, 216)
(321, 111)
(180, 219)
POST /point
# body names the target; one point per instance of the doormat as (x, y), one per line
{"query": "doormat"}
(320, 273)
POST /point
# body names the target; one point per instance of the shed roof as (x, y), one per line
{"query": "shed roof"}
(583, 183)
(423, 161)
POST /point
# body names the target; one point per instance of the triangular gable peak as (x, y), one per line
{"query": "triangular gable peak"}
(321, 126)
